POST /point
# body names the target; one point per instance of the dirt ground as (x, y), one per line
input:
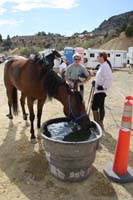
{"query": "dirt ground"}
(24, 172)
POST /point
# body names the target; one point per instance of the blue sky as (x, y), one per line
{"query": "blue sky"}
(66, 17)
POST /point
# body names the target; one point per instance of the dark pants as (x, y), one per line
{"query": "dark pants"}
(98, 104)
(81, 89)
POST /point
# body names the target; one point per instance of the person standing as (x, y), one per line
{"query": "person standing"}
(101, 84)
(76, 74)
(57, 62)
(62, 68)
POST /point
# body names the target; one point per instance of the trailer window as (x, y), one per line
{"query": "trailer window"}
(108, 54)
(118, 55)
(92, 55)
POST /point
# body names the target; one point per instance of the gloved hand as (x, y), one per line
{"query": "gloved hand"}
(82, 77)
(100, 87)
(93, 83)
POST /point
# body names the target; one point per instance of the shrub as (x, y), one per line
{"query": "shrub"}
(129, 31)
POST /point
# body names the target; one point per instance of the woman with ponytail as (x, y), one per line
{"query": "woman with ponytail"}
(101, 84)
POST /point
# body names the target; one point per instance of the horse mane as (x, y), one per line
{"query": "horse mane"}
(52, 82)
(46, 61)
(40, 60)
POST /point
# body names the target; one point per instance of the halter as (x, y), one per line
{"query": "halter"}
(71, 114)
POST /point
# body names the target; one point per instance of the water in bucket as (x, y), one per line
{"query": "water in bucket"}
(70, 131)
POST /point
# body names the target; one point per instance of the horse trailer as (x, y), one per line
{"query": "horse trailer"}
(130, 56)
(118, 58)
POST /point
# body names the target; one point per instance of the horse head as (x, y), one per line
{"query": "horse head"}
(46, 60)
(76, 109)
(50, 55)
(72, 101)
(56, 53)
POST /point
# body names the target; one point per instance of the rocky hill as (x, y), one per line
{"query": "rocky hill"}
(115, 24)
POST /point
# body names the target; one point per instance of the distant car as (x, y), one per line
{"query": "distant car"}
(9, 57)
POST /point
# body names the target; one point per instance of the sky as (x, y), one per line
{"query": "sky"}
(66, 17)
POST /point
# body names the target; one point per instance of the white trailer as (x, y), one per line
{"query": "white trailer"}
(130, 56)
(118, 58)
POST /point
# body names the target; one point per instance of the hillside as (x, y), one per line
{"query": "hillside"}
(122, 43)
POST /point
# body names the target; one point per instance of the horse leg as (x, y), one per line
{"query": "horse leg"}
(39, 114)
(22, 102)
(30, 102)
(9, 96)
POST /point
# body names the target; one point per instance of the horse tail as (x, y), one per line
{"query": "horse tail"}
(15, 101)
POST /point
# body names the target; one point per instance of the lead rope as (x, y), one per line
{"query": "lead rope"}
(90, 100)
(72, 114)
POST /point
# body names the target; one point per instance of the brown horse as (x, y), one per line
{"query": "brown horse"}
(49, 62)
(35, 80)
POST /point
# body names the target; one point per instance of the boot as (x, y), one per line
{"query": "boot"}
(102, 114)
(101, 124)
(96, 116)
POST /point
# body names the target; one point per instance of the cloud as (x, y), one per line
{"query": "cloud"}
(2, 10)
(26, 5)
(10, 22)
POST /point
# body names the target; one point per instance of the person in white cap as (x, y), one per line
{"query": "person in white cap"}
(62, 68)
(77, 73)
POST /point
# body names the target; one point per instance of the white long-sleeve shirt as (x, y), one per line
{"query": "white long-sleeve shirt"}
(103, 78)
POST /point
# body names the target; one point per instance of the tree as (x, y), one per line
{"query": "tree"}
(129, 31)
(42, 33)
(7, 43)
(131, 20)
(1, 38)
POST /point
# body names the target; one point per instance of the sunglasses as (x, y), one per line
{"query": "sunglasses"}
(77, 59)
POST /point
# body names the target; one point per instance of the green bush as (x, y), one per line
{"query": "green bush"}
(27, 51)
(129, 31)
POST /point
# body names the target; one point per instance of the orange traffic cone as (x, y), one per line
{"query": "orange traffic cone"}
(119, 171)
(122, 150)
